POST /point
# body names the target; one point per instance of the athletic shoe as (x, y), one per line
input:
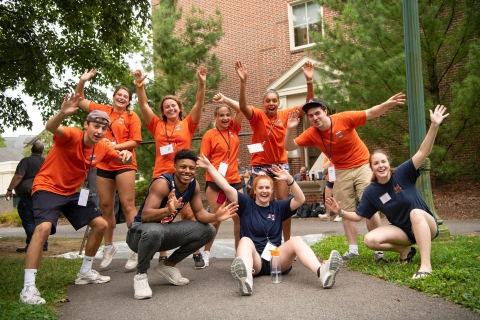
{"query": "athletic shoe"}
(132, 261)
(199, 263)
(380, 257)
(108, 255)
(206, 258)
(243, 277)
(349, 255)
(337, 219)
(323, 216)
(31, 295)
(141, 287)
(171, 274)
(91, 276)
(329, 270)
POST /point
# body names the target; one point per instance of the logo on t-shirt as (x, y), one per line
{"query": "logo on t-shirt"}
(178, 127)
(121, 121)
(339, 134)
(279, 122)
(271, 217)
(397, 189)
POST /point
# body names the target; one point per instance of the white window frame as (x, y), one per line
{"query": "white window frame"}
(290, 24)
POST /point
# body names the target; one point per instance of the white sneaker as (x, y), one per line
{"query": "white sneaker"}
(329, 270)
(141, 287)
(171, 274)
(31, 295)
(243, 277)
(108, 256)
(206, 258)
(337, 219)
(323, 216)
(91, 276)
(132, 261)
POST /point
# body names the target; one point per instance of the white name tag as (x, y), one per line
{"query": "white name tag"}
(83, 198)
(266, 252)
(385, 198)
(256, 147)
(112, 143)
(166, 149)
(223, 168)
(331, 174)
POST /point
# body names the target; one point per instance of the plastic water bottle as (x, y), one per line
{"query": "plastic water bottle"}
(275, 266)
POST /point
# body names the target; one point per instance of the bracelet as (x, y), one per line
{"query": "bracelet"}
(9, 190)
(309, 81)
(289, 184)
(341, 214)
(139, 84)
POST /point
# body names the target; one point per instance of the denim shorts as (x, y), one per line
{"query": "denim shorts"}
(267, 169)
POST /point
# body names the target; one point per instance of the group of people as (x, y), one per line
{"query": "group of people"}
(108, 141)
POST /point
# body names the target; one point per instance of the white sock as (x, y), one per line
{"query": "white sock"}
(353, 248)
(86, 264)
(29, 279)
(107, 246)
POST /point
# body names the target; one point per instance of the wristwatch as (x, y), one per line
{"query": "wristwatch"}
(341, 214)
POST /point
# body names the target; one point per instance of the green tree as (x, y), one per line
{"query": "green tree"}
(43, 40)
(2, 142)
(46, 137)
(181, 44)
(363, 63)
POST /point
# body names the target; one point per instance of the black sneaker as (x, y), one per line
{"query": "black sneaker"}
(199, 263)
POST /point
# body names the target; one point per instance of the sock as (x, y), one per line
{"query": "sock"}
(29, 279)
(318, 271)
(86, 264)
(107, 246)
(353, 248)
(379, 252)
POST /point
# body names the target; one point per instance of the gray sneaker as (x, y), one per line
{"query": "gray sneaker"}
(171, 274)
(349, 255)
(330, 269)
(199, 262)
(91, 276)
(243, 277)
(108, 256)
(380, 257)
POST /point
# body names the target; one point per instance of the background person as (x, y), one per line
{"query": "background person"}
(300, 176)
(22, 182)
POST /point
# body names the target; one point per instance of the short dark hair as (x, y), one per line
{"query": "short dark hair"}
(185, 154)
(38, 147)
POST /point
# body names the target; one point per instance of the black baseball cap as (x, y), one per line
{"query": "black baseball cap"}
(314, 102)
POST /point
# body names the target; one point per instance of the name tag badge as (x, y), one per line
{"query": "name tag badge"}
(223, 168)
(166, 149)
(256, 147)
(331, 174)
(385, 198)
(266, 252)
(83, 198)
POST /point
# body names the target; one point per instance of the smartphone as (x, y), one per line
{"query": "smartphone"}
(221, 197)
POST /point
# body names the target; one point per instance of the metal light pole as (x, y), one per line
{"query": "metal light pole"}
(415, 99)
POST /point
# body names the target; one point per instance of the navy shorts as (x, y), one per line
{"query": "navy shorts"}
(409, 232)
(213, 185)
(111, 174)
(47, 206)
(265, 271)
(329, 184)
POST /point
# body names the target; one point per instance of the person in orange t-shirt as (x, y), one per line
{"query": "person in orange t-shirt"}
(172, 133)
(221, 145)
(269, 126)
(56, 186)
(124, 133)
(336, 136)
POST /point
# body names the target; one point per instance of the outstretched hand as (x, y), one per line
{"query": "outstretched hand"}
(138, 76)
(70, 103)
(293, 119)
(280, 173)
(333, 205)
(203, 162)
(173, 203)
(87, 75)
(241, 70)
(226, 212)
(437, 116)
(126, 156)
(219, 98)
(397, 99)
(308, 70)
(202, 75)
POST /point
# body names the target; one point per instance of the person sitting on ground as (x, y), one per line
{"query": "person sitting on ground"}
(55, 188)
(393, 192)
(153, 230)
(261, 230)
(299, 176)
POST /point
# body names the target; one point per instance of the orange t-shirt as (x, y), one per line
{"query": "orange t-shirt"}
(216, 148)
(123, 127)
(274, 147)
(68, 162)
(348, 150)
(179, 135)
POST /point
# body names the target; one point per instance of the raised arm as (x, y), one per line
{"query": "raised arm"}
(380, 109)
(241, 70)
(145, 109)
(426, 147)
(220, 98)
(298, 196)
(86, 76)
(69, 106)
(337, 209)
(196, 111)
(223, 213)
(308, 71)
(230, 191)
(293, 121)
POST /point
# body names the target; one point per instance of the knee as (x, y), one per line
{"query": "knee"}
(296, 240)
(43, 230)
(210, 231)
(416, 216)
(99, 224)
(106, 209)
(371, 241)
(245, 241)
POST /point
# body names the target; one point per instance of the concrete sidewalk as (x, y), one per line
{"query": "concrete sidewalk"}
(213, 293)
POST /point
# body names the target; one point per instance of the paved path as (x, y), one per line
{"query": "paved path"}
(213, 294)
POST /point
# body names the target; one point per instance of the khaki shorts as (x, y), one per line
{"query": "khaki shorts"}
(349, 185)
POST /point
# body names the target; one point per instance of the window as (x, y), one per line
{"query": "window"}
(303, 18)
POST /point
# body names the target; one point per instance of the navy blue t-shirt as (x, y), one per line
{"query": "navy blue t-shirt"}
(187, 196)
(404, 196)
(259, 223)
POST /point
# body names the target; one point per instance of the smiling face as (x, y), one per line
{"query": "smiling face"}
(170, 109)
(318, 118)
(121, 98)
(263, 190)
(185, 170)
(380, 166)
(223, 116)
(94, 132)
(271, 102)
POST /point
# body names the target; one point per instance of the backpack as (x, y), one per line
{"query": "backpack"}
(317, 208)
(304, 211)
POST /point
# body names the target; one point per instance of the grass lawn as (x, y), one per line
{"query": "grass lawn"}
(456, 268)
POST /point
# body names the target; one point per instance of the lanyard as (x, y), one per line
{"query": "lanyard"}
(84, 166)
(111, 124)
(261, 222)
(228, 143)
(272, 125)
(171, 134)
(331, 130)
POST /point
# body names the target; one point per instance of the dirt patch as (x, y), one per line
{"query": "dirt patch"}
(458, 200)
(56, 246)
